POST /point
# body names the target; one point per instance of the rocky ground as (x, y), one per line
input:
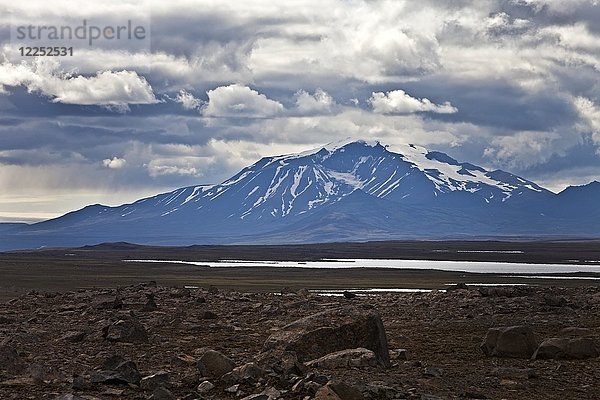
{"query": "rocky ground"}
(151, 342)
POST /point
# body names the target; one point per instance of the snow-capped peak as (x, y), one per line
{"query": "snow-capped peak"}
(296, 184)
(331, 147)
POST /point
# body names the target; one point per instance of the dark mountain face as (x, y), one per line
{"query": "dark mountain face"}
(345, 191)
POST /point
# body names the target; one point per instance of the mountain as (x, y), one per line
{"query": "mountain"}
(346, 191)
(579, 201)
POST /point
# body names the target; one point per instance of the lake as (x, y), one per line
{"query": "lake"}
(457, 266)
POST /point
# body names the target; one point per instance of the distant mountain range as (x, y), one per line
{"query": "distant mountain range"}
(348, 191)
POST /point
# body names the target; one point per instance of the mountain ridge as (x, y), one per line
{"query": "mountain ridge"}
(351, 190)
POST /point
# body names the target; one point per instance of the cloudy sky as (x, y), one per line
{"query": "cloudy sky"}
(218, 84)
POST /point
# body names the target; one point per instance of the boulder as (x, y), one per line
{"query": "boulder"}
(512, 341)
(360, 357)
(567, 348)
(129, 331)
(330, 331)
(214, 364)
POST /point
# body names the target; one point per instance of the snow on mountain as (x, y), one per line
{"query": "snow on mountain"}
(295, 184)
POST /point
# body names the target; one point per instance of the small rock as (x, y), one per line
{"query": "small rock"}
(432, 372)
(180, 293)
(69, 396)
(108, 302)
(162, 394)
(380, 391)
(74, 337)
(349, 295)
(258, 396)
(113, 392)
(233, 388)
(272, 393)
(554, 301)
(183, 360)
(154, 381)
(338, 391)
(286, 364)
(124, 373)
(360, 357)
(80, 383)
(402, 354)
(288, 290)
(129, 331)
(208, 315)
(213, 290)
(205, 387)
(214, 364)
(150, 303)
(269, 393)
(112, 362)
(249, 373)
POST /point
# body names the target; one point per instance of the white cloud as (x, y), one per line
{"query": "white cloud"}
(237, 101)
(188, 101)
(590, 115)
(319, 102)
(523, 149)
(589, 111)
(399, 102)
(157, 170)
(114, 163)
(106, 88)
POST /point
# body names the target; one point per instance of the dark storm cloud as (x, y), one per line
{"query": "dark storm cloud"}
(499, 104)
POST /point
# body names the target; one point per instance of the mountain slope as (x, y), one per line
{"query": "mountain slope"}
(343, 191)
